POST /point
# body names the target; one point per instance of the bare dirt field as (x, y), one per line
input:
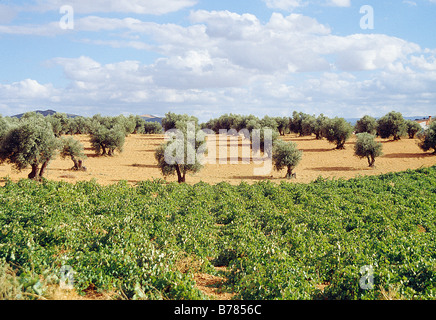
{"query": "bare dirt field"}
(137, 163)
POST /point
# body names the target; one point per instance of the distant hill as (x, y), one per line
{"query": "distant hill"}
(45, 114)
(150, 118)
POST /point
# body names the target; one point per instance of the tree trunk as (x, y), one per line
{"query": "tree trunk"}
(340, 145)
(371, 161)
(34, 172)
(180, 178)
(76, 163)
(81, 167)
(43, 167)
(289, 173)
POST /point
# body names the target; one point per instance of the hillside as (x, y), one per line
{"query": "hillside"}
(46, 113)
(151, 118)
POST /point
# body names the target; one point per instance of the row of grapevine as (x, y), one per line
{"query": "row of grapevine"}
(278, 241)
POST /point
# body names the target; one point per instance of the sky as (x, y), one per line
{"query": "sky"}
(345, 58)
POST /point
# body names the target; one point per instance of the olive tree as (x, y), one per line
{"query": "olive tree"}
(4, 126)
(170, 120)
(338, 131)
(428, 138)
(366, 124)
(367, 147)
(308, 123)
(139, 124)
(269, 122)
(318, 126)
(72, 148)
(282, 125)
(183, 152)
(413, 128)
(286, 155)
(106, 141)
(29, 143)
(392, 125)
(152, 128)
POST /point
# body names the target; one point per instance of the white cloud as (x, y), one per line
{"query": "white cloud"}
(339, 3)
(371, 52)
(229, 62)
(410, 3)
(287, 5)
(7, 13)
(50, 29)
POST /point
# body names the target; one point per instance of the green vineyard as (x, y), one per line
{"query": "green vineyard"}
(274, 241)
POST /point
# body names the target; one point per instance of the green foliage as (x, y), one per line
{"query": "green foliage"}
(170, 120)
(306, 124)
(296, 123)
(79, 125)
(337, 131)
(366, 124)
(319, 125)
(282, 125)
(4, 126)
(269, 122)
(367, 147)
(413, 128)
(392, 125)
(106, 141)
(183, 152)
(72, 148)
(29, 143)
(428, 138)
(152, 128)
(286, 155)
(278, 241)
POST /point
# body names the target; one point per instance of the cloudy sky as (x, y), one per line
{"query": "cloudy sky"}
(342, 58)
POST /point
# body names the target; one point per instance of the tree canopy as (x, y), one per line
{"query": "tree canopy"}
(29, 143)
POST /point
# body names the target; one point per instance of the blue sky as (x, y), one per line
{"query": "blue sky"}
(207, 58)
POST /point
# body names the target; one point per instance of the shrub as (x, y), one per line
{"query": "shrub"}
(367, 147)
(286, 155)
